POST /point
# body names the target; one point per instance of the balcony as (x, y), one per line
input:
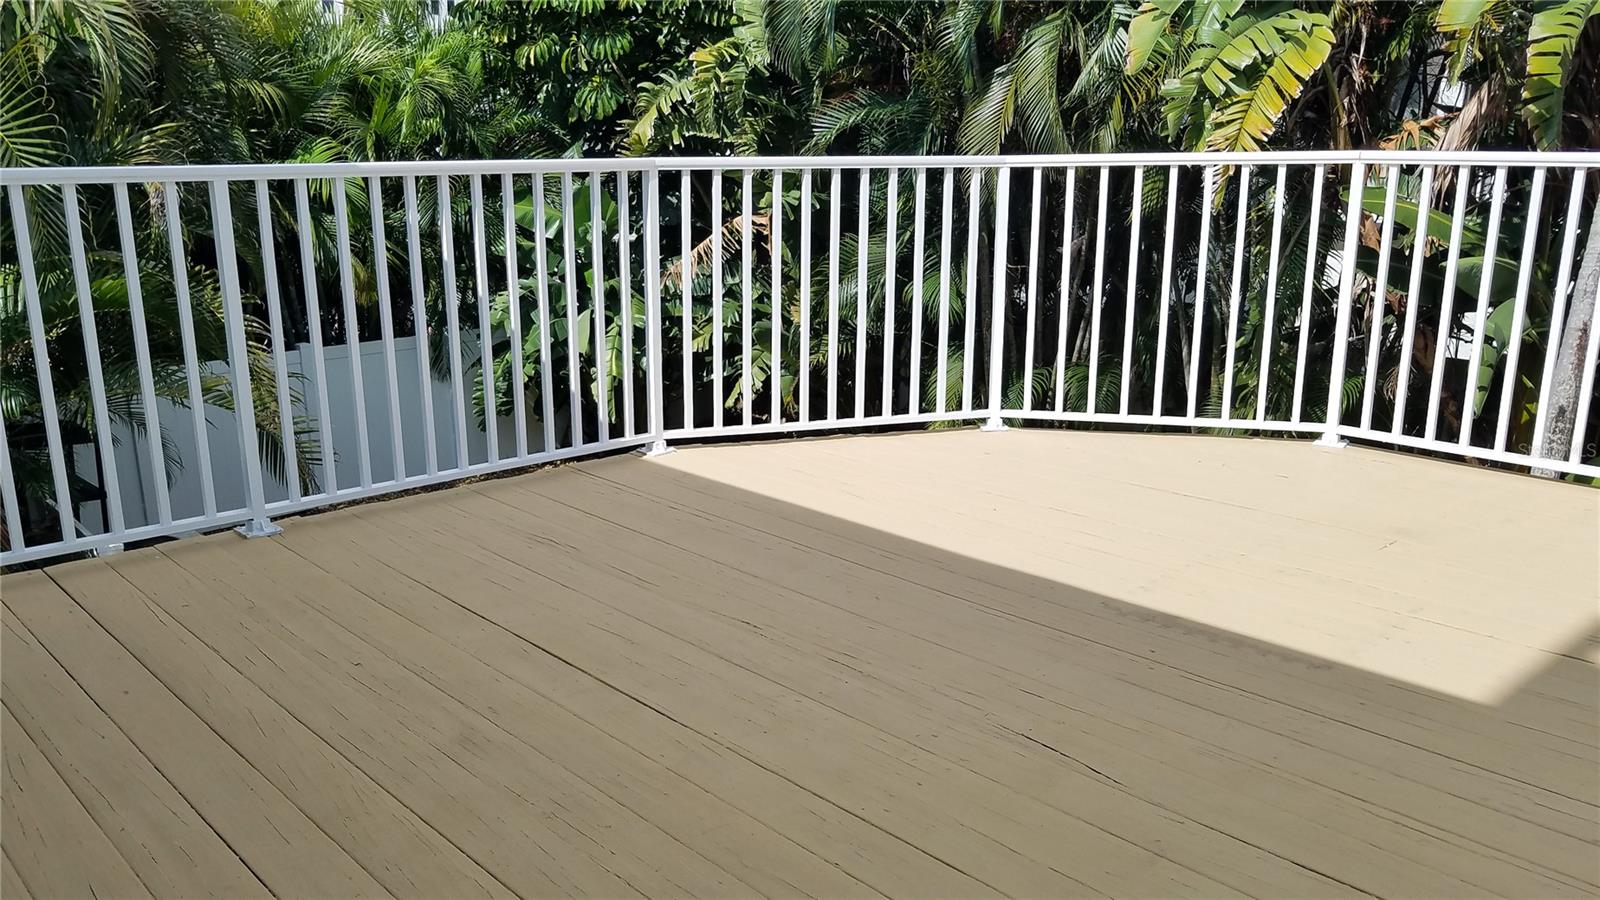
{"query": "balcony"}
(1137, 636)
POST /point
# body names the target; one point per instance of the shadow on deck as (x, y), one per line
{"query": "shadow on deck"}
(1031, 664)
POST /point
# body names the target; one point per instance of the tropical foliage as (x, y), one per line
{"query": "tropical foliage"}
(103, 82)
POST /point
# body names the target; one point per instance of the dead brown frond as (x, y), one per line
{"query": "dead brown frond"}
(700, 256)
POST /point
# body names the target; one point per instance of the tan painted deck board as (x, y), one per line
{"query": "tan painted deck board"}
(166, 842)
(11, 884)
(403, 853)
(856, 848)
(960, 664)
(1010, 657)
(286, 850)
(537, 828)
(53, 839)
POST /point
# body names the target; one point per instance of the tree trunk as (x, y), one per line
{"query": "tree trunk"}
(1567, 380)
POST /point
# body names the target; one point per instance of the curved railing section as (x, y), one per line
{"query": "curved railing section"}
(193, 347)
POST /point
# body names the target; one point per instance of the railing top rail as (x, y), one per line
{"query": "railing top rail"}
(1266, 157)
(251, 171)
(279, 171)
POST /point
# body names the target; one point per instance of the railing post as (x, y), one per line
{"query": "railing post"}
(997, 303)
(1347, 279)
(655, 385)
(244, 407)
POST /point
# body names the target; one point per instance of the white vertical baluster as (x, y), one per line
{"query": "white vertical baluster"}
(1126, 379)
(1558, 311)
(686, 291)
(447, 262)
(8, 493)
(718, 398)
(1064, 323)
(775, 365)
(239, 361)
(308, 279)
(833, 293)
(1033, 288)
(997, 300)
(1166, 292)
(889, 299)
(569, 264)
(191, 364)
(65, 509)
(419, 320)
(862, 254)
(625, 293)
(970, 301)
(352, 333)
(655, 385)
(480, 267)
(280, 363)
(1312, 274)
(141, 352)
(1441, 336)
(804, 358)
(597, 286)
(1419, 251)
(1098, 289)
(747, 298)
(914, 399)
(1236, 297)
(1519, 311)
(519, 378)
(1347, 280)
(104, 442)
(380, 266)
(547, 365)
(941, 381)
(1480, 324)
(1269, 328)
(1379, 299)
(1202, 268)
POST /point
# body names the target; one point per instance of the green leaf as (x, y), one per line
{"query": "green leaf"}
(1497, 338)
(1552, 42)
(1472, 26)
(1502, 281)
(989, 117)
(28, 132)
(1038, 99)
(1294, 45)
(1148, 27)
(1462, 15)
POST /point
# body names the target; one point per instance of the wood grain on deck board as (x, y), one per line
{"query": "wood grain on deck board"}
(285, 849)
(960, 664)
(827, 626)
(166, 842)
(51, 842)
(403, 853)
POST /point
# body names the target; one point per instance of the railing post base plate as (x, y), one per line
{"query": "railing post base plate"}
(995, 424)
(257, 528)
(1331, 442)
(655, 448)
(107, 550)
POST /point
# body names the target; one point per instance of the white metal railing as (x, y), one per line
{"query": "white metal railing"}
(178, 366)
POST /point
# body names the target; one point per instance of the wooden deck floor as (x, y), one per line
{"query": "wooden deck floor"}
(937, 665)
